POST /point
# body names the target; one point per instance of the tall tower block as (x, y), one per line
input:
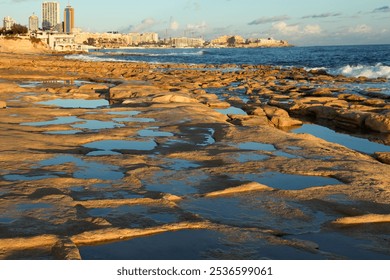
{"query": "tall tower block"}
(68, 19)
(33, 23)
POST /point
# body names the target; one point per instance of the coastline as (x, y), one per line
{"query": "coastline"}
(226, 154)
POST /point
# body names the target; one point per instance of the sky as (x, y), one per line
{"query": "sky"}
(301, 22)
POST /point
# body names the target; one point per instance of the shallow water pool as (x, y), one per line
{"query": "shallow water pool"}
(77, 103)
(287, 181)
(352, 142)
(111, 147)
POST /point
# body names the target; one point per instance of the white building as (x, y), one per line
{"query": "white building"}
(33, 23)
(8, 22)
(185, 42)
(144, 38)
(58, 41)
(50, 15)
(149, 38)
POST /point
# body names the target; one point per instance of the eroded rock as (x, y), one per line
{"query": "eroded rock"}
(383, 157)
(377, 122)
(173, 98)
(365, 219)
(250, 187)
(65, 249)
(280, 117)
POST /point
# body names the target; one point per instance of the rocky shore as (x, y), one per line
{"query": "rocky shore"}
(101, 152)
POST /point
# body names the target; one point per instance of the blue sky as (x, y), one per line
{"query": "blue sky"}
(302, 22)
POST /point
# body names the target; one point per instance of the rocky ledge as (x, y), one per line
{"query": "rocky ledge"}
(108, 154)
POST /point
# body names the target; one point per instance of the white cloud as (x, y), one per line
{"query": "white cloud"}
(284, 28)
(296, 29)
(312, 29)
(362, 28)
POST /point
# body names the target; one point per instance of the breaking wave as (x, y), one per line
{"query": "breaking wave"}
(89, 58)
(377, 71)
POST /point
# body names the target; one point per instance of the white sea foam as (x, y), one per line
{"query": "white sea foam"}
(90, 58)
(101, 56)
(377, 71)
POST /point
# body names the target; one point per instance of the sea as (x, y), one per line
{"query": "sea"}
(371, 61)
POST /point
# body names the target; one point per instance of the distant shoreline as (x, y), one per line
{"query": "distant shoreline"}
(183, 48)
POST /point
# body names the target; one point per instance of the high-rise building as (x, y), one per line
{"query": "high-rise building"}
(50, 15)
(33, 23)
(68, 19)
(8, 22)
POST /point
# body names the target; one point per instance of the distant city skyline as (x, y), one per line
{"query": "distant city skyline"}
(301, 22)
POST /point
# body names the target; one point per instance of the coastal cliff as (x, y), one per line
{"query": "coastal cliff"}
(21, 45)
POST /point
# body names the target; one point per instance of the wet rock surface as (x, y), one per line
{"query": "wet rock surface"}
(101, 156)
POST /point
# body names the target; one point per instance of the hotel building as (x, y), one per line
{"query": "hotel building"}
(8, 22)
(33, 23)
(50, 15)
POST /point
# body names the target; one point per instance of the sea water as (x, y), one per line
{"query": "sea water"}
(371, 61)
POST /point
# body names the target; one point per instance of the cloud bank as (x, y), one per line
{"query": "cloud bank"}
(325, 15)
(264, 20)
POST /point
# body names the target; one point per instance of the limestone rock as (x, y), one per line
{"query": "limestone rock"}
(320, 92)
(323, 112)
(365, 219)
(249, 120)
(250, 187)
(280, 117)
(383, 157)
(285, 122)
(174, 98)
(338, 104)
(318, 72)
(3, 104)
(199, 92)
(351, 97)
(207, 98)
(379, 123)
(10, 88)
(126, 91)
(256, 112)
(348, 119)
(281, 104)
(375, 102)
(93, 87)
(271, 111)
(218, 104)
(65, 249)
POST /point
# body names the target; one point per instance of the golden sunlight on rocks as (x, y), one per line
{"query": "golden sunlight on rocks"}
(100, 152)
